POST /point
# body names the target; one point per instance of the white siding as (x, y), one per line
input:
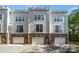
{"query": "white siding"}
(64, 23)
(14, 23)
(9, 18)
(4, 20)
(33, 22)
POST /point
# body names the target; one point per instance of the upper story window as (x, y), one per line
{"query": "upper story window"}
(58, 28)
(0, 16)
(19, 28)
(39, 27)
(35, 17)
(23, 19)
(42, 17)
(16, 19)
(58, 19)
(20, 18)
(0, 27)
(39, 17)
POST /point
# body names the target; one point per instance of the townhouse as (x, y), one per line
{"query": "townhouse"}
(33, 26)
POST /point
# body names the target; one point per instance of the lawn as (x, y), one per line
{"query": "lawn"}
(76, 45)
(74, 42)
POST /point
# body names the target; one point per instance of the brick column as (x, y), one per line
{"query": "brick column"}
(11, 39)
(26, 39)
(67, 39)
(29, 39)
(51, 39)
(46, 39)
(7, 38)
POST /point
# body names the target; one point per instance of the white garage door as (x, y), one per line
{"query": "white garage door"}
(59, 40)
(38, 40)
(0, 40)
(18, 40)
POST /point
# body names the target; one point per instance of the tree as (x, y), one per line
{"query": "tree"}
(73, 20)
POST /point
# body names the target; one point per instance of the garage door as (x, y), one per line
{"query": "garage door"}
(0, 40)
(18, 40)
(38, 40)
(59, 40)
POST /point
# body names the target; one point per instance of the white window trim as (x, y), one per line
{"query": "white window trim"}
(1, 27)
(2, 16)
(41, 17)
(62, 26)
(22, 17)
(16, 29)
(60, 18)
(35, 29)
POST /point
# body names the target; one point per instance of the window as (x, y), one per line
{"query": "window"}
(20, 18)
(58, 19)
(23, 18)
(35, 17)
(16, 19)
(42, 17)
(58, 28)
(0, 27)
(39, 17)
(39, 27)
(0, 16)
(19, 28)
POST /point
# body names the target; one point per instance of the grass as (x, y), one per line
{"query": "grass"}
(76, 45)
(74, 42)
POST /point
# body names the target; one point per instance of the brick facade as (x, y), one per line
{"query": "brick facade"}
(3, 38)
(19, 35)
(48, 38)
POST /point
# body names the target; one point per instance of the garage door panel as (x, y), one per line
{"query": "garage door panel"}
(38, 40)
(59, 40)
(18, 40)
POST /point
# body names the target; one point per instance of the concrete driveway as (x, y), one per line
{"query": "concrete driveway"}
(11, 48)
(29, 49)
(21, 48)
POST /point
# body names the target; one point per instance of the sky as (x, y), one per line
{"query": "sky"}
(67, 8)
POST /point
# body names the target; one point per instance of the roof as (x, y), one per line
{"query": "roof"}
(38, 9)
(19, 11)
(4, 8)
(58, 11)
(33, 9)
